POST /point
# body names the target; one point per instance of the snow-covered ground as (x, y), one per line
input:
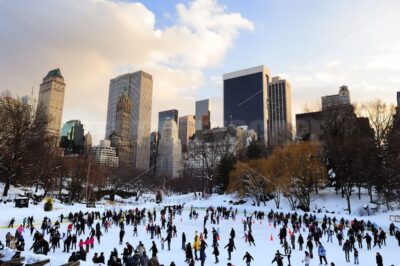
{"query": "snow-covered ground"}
(263, 253)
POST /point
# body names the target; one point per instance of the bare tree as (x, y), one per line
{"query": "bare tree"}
(206, 151)
(21, 133)
(380, 115)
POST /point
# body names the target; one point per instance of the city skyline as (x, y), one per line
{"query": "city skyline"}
(341, 50)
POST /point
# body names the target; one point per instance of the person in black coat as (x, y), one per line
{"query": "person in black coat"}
(188, 253)
(121, 236)
(278, 259)
(248, 258)
(379, 260)
(230, 246)
(300, 240)
(183, 241)
(154, 250)
(216, 252)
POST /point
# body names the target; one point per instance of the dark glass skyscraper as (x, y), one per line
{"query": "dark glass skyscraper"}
(245, 99)
(163, 116)
(72, 137)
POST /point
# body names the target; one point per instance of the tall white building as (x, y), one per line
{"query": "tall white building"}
(279, 111)
(140, 87)
(51, 100)
(169, 151)
(203, 115)
(104, 154)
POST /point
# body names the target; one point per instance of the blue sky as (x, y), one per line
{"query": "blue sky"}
(317, 45)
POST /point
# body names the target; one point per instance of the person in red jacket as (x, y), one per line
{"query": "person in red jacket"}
(81, 243)
(87, 244)
(92, 242)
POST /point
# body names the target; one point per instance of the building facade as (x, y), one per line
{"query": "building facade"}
(104, 154)
(51, 100)
(154, 139)
(309, 126)
(186, 130)
(88, 143)
(163, 116)
(245, 99)
(73, 137)
(140, 90)
(342, 98)
(203, 115)
(208, 146)
(121, 137)
(169, 151)
(279, 111)
(398, 98)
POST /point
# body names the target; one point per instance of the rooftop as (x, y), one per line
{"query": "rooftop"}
(54, 73)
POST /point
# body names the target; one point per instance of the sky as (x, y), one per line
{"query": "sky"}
(188, 45)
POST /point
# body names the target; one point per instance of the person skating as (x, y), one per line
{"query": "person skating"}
(248, 258)
(250, 238)
(232, 234)
(183, 241)
(310, 247)
(196, 245)
(230, 246)
(347, 250)
(300, 240)
(188, 253)
(368, 239)
(216, 252)
(356, 256)
(306, 259)
(322, 254)
(203, 246)
(144, 259)
(154, 250)
(278, 259)
(289, 255)
(11, 224)
(121, 236)
(379, 260)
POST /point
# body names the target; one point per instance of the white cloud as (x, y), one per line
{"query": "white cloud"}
(333, 63)
(95, 40)
(216, 80)
(389, 61)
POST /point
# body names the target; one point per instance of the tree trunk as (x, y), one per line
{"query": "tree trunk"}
(6, 187)
(359, 192)
(348, 202)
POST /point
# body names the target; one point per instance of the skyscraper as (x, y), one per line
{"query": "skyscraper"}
(163, 116)
(398, 98)
(121, 137)
(279, 111)
(51, 100)
(245, 99)
(72, 137)
(140, 90)
(169, 151)
(203, 115)
(88, 143)
(186, 130)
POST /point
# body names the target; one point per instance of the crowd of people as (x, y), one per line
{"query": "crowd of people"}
(297, 233)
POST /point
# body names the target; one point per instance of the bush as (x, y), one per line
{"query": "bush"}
(48, 206)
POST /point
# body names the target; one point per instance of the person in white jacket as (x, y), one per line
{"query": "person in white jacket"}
(306, 260)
